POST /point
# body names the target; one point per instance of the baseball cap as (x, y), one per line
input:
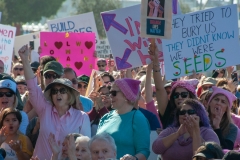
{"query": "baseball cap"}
(53, 66)
(34, 65)
(168, 84)
(6, 83)
(83, 78)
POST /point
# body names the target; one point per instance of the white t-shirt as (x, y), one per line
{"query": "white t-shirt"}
(10, 154)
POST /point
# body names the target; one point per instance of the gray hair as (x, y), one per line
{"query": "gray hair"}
(104, 137)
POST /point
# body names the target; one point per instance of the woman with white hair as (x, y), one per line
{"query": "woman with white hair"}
(102, 146)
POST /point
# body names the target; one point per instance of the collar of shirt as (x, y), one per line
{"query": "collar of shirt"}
(70, 111)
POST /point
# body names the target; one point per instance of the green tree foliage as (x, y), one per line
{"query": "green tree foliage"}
(28, 10)
(96, 6)
(184, 7)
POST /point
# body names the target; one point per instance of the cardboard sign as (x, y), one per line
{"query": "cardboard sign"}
(202, 41)
(73, 50)
(156, 18)
(79, 24)
(91, 82)
(129, 49)
(7, 36)
(24, 39)
(103, 49)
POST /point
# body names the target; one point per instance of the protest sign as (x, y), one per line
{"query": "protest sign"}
(129, 50)
(80, 23)
(25, 39)
(91, 82)
(156, 18)
(103, 49)
(202, 41)
(7, 36)
(73, 50)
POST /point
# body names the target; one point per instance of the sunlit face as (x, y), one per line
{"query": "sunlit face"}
(119, 99)
(71, 76)
(59, 99)
(82, 150)
(180, 99)
(106, 101)
(183, 118)
(219, 102)
(18, 71)
(6, 102)
(101, 150)
(12, 124)
(82, 88)
(106, 79)
(22, 88)
(102, 66)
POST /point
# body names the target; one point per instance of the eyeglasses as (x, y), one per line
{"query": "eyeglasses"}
(49, 76)
(7, 94)
(82, 86)
(101, 65)
(61, 91)
(20, 69)
(114, 93)
(177, 94)
(189, 112)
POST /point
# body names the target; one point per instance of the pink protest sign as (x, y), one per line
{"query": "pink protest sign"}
(74, 50)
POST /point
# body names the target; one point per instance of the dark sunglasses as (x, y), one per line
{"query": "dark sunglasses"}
(177, 94)
(7, 94)
(61, 90)
(74, 81)
(189, 112)
(114, 93)
(82, 86)
(49, 76)
(20, 69)
(101, 65)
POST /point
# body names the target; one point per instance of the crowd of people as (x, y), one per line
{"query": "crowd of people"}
(134, 114)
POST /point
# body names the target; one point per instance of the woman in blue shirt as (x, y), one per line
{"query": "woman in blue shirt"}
(128, 126)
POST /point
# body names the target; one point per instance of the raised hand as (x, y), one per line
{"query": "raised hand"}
(217, 117)
(16, 146)
(54, 145)
(24, 52)
(71, 147)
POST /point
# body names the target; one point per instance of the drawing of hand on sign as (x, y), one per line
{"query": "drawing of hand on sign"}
(155, 8)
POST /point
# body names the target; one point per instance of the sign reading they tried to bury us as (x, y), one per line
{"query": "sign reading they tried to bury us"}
(202, 41)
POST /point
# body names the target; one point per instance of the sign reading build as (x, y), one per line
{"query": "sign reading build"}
(202, 41)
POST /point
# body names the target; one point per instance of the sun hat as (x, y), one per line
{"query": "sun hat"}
(209, 80)
(62, 81)
(83, 78)
(129, 87)
(6, 83)
(231, 97)
(53, 66)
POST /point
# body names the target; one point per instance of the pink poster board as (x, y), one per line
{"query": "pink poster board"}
(74, 50)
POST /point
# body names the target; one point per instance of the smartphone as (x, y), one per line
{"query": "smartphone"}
(234, 76)
(31, 44)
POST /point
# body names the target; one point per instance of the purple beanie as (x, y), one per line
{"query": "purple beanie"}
(231, 97)
(184, 84)
(129, 87)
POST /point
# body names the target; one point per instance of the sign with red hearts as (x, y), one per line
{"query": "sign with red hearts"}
(74, 50)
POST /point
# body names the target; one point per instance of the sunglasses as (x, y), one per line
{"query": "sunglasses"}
(101, 65)
(189, 112)
(7, 94)
(74, 81)
(177, 94)
(20, 69)
(114, 93)
(49, 76)
(82, 86)
(61, 91)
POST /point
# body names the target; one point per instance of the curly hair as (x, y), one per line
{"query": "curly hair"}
(200, 112)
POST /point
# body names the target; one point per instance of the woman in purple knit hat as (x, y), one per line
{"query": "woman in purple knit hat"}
(180, 91)
(128, 126)
(190, 129)
(219, 109)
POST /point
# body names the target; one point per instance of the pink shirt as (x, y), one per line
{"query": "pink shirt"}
(74, 121)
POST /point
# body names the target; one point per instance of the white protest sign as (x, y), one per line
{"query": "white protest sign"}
(123, 31)
(156, 18)
(7, 36)
(79, 23)
(103, 49)
(25, 39)
(202, 41)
